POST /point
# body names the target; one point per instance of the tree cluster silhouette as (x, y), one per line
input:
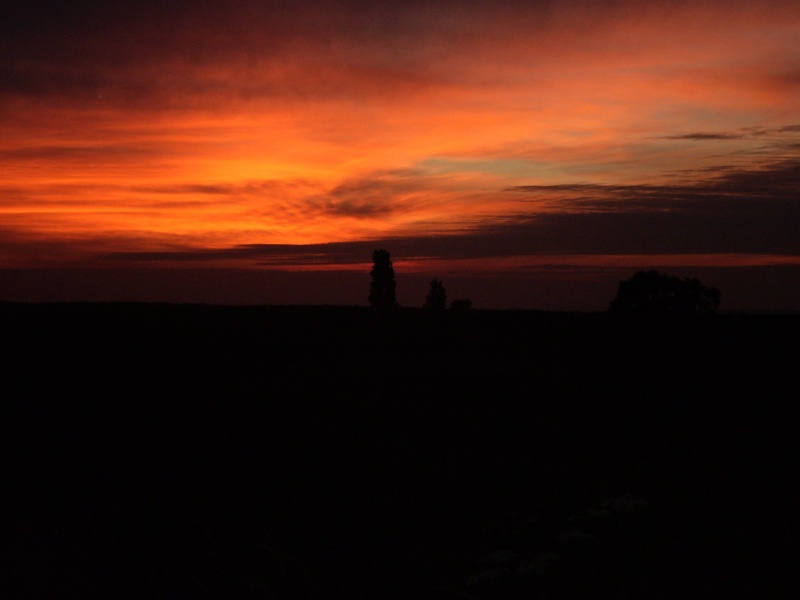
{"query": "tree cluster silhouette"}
(643, 292)
(652, 291)
(383, 285)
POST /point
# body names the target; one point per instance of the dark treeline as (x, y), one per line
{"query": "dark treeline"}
(324, 452)
(644, 292)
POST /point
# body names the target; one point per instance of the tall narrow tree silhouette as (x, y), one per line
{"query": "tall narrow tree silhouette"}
(437, 296)
(382, 288)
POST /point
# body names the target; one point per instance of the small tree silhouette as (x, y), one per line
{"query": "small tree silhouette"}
(437, 296)
(651, 291)
(382, 288)
(461, 305)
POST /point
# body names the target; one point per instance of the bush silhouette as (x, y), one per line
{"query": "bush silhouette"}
(437, 296)
(462, 304)
(651, 291)
(382, 288)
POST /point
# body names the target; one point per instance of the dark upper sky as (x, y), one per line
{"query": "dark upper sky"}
(475, 142)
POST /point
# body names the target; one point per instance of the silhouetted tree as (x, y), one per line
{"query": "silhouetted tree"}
(437, 296)
(651, 291)
(382, 288)
(461, 304)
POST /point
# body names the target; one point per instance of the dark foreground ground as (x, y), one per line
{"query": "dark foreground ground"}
(268, 452)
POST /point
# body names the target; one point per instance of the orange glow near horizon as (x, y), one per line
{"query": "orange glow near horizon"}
(364, 134)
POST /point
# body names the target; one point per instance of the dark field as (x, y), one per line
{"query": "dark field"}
(315, 452)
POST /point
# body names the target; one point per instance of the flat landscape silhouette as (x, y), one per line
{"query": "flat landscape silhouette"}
(348, 452)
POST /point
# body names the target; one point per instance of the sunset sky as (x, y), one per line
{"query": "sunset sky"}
(529, 153)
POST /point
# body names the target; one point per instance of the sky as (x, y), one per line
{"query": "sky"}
(529, 154)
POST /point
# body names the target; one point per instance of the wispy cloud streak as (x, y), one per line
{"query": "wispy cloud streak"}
(727, 218)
